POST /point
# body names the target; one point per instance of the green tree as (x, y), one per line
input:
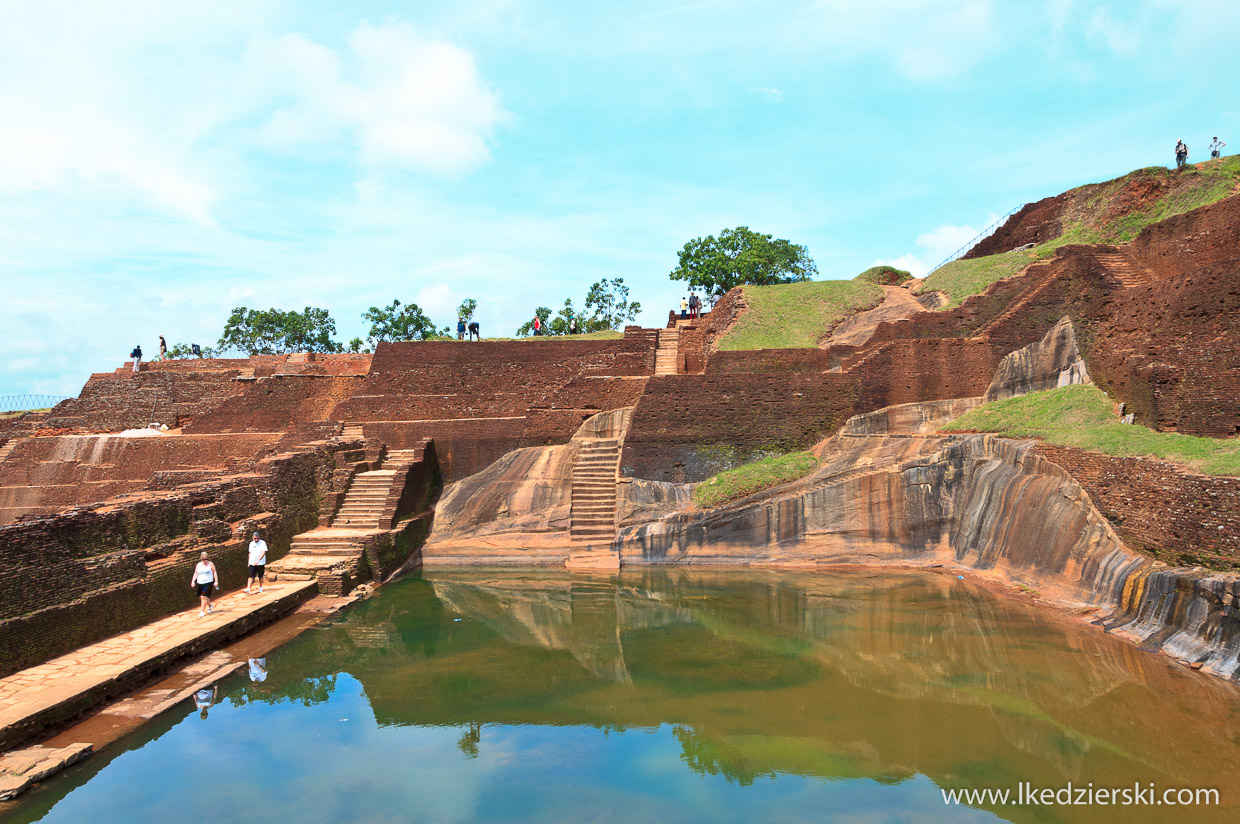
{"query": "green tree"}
(275, 332)
(559, 325)
(357, 345)
(739, 257)
(610, 301)
(466, 310)
(397, 322)
(543, 314)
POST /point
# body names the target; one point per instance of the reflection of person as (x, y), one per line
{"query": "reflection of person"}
(258, 669)
(258, 563)
(204, 579)
(204, 699)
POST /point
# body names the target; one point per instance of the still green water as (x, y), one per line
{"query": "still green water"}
(677, 696)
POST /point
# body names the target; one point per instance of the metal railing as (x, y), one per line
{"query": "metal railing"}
(985, 233)
(24, 403)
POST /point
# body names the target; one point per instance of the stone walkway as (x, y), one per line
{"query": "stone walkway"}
(41, 697)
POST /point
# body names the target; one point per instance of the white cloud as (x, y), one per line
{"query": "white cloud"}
(401, 100)
(773, 95)
(935, 246)
(163, 104)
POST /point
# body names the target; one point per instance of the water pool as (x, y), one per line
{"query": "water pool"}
(678, 696)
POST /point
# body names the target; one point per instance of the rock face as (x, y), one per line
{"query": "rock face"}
(1050, 363)
(518, 509)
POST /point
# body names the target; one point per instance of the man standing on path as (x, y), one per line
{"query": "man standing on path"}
(1181, 154)
(460, 328)
(204, 579)
(163, 348)
(684, 309)
(258, 563)
(694, 303)
(1216, 148)
(136, 354)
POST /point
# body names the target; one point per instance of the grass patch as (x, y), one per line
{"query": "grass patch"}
(755, 477)
(884, 275)
(962, 278)
(796, 315)
(1081, 416)
(1097, 214)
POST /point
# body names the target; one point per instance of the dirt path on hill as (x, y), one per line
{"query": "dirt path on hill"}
(898, 303)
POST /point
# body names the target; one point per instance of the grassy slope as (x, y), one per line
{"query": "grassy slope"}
(796, 315)
(1091, 222)
(750, 478)
(1082, 416)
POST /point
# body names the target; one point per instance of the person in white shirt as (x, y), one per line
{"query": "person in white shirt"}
(1216, 148)
(258, 563)
(204, 579)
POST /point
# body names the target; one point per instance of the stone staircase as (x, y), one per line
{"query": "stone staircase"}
(592, 520)
(7, 448)
(352, 432)
(1124, 268)
(363, 503)
(667, 355)
(340, 546)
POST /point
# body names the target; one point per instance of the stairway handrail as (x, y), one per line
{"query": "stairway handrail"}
(982, 235)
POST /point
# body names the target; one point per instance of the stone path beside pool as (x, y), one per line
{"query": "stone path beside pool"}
(43, 697)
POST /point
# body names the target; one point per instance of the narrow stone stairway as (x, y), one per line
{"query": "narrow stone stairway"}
(7, 448)
(359, 516)
(1124, 268)
(593, 514)
(351, 432)
(666, 356)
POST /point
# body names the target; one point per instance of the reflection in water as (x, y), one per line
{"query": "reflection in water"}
(704, 696)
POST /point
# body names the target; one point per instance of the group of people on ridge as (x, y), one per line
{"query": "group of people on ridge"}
(691, 307)
(473, 328)
(1181, 152)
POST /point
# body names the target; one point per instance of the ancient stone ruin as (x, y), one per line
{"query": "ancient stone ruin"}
(585, 453)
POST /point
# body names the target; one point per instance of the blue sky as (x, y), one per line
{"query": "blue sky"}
(161, 163)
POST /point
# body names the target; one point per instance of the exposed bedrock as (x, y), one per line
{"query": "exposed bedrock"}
(1050, 363)
(888, 490)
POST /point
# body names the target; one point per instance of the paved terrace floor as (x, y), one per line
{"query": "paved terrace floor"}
(44, 696)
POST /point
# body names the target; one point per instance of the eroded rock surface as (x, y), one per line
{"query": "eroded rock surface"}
(1050, 363)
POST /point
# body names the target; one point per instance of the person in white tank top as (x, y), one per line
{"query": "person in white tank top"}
(204, 579)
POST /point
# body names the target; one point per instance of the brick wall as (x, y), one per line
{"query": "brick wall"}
(83, 575)
(111, 402)
(1173, 514)
(698, 340)
(47, 474)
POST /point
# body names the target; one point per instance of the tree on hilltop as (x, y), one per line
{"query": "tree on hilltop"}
(466, 310)
(740, 257)
(276, 332)
(609, 300)
(396, 322)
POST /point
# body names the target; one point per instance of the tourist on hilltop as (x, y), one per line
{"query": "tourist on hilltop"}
(163, 348)
(684, 308)
(1181, 154)
(204, 579)
(694, 303)
(460, 328)
(204, 699)
(136, 354)
(537, 325)
(1216, 148)
(473, 331)
(258, 563)
(572, 326)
